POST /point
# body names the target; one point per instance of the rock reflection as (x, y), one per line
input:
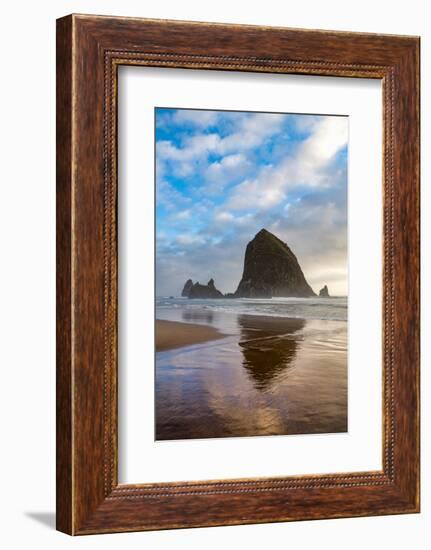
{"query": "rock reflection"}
(198, 316)
(267, 348)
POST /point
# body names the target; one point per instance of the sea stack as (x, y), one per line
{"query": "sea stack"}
(203, 291)
(186, 289)
(271, 270)
(324, 292)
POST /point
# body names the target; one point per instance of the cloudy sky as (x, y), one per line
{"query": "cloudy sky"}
(222, 176)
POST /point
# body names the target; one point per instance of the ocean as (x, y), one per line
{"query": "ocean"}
(329, 309)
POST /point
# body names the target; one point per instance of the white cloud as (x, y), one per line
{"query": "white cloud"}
(221, 173)
(187, 239)
(251, 131)
(183, 215)
(196, 146)
(226, 166)
(224, 217)
(329, 136)
(169, 197)
(201, 119)
(255, 194)
(306, 168)
(254, 130)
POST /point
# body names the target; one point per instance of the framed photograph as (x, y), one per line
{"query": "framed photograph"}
(237, 274)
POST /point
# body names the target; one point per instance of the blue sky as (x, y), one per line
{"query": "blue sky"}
(223, 175)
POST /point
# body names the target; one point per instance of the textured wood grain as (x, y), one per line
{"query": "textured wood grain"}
(64, 495)
(89, 499)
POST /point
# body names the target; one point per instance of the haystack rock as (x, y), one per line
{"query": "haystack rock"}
(271, 270)
(204, 291)
(324, 292)
(186, 290)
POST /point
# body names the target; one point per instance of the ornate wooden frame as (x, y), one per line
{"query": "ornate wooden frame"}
(89, 51)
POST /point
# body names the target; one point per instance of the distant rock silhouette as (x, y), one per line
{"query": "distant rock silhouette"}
(186, 290)
(324, 292)
(271, 270)
(202, 291)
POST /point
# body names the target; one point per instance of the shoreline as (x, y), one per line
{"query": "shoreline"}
(268, 376)
(176, 334)
(184, 309)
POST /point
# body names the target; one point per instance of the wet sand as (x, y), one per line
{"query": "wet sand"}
(173, 334)
(265, 376)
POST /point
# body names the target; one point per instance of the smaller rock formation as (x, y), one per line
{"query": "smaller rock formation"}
(186, 290)
(324, 292)
(203, 291)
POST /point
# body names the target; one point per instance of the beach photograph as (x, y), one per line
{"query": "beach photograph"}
(251, 274)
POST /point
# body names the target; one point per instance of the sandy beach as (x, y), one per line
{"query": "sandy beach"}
(174, 334)
(250, 375)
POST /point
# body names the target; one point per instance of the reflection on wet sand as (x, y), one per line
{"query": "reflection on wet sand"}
(267, 347)
(198, 316)
(268, 376)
